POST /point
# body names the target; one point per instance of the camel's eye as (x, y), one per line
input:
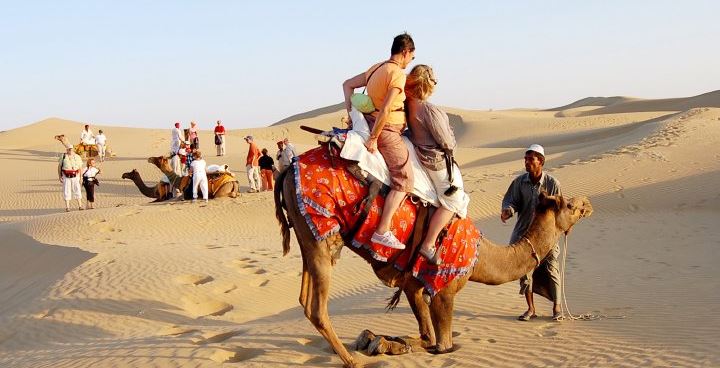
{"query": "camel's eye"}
(570, 206)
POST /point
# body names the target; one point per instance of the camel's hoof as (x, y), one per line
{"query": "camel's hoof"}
(434, 350)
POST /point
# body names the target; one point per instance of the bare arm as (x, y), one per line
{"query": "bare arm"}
(350, 85)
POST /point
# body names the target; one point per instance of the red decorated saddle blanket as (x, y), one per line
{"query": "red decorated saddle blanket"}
(330, 199)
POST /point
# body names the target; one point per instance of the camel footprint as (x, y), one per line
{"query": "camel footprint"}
(547, 330)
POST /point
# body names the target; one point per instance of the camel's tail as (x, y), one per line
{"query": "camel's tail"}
(394, 300)
(280, 214)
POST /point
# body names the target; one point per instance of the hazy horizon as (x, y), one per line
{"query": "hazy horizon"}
(251, 65)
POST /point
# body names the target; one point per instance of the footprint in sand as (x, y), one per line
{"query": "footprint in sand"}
(193, 279)
(547, 330)
(234, 355)
(177, 331)
(213, 246)
(224, 288)
(206, 307)
(246, 267)
(212, 337)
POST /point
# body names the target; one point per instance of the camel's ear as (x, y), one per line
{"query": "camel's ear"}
(546, 201)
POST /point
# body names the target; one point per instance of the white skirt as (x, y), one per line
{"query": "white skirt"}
(458, 202)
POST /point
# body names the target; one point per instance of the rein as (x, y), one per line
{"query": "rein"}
(534, 253)
(564, 305)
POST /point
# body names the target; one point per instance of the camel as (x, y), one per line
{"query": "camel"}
(64, 141)
(81, 149)
(496, 264)
(227, 187)
(159, 191)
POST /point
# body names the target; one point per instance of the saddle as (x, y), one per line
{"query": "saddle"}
(217, 180)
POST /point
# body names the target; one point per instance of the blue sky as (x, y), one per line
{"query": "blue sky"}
(252, 63)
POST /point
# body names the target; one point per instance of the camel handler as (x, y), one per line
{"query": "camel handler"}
(69, 168)
(522, 198)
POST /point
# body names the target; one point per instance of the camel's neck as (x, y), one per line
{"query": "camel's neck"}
(498, 264)
(168, 171)
(144, 189)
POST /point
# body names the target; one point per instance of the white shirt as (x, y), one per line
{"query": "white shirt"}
(198, 167)
(87, 137)
(100, 139)
(90, 172)
(175, 141)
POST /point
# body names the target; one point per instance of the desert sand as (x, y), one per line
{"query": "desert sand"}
(135, 284)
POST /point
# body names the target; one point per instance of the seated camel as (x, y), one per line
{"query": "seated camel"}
(161, 190)
(493, 264)
(219, 185)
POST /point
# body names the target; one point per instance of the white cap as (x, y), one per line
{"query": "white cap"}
(536, 148)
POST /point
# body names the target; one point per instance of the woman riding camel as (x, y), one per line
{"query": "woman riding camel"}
(385, 82)
(434, 142)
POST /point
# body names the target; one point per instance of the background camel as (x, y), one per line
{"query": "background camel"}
(218, 188)
(81, 149)
(497, 264)
(159, 192)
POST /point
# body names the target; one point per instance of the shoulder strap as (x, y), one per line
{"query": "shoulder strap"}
(373, 72)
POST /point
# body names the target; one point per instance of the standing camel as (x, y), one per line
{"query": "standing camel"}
(227, 188)
(496, 264)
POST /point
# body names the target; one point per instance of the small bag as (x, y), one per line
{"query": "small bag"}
(70, 173)
(361, 101)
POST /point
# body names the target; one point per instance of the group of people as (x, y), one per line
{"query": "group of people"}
(260, 166)
(72, 175)
(183, 141)
(400, 102)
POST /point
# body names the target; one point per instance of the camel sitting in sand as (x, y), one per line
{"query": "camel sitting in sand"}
(496, 264)
(219, 185)
(160, 191)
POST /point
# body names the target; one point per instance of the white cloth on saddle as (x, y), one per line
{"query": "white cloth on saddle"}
(354, 149)
(211, 169)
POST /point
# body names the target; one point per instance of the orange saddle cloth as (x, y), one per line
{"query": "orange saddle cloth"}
(330, 199)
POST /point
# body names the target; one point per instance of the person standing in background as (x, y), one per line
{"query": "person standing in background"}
(267, 167)
(193, 135)
(89, 181)
(252, 165)
(100, 141)
(69, 174)
(288, 152)
(220, 138)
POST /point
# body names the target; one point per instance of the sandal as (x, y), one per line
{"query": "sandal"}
(527, 316)
(432, 258)
(557, 317)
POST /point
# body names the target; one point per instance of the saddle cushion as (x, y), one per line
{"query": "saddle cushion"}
(330, 199)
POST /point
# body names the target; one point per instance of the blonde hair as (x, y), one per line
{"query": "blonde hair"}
(197, 154)
(420, 82)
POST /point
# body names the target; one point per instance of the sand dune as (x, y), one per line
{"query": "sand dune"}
(175, 284)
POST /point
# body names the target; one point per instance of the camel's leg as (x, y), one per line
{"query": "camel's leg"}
(441, 311)
(319, 271)
(304, 286)
(422, 314)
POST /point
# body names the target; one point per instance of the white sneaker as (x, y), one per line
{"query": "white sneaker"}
(388, 239)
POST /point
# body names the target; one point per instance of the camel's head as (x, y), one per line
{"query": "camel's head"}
(130, 174)
(567, 211)
(60, 137)
(159, 161)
